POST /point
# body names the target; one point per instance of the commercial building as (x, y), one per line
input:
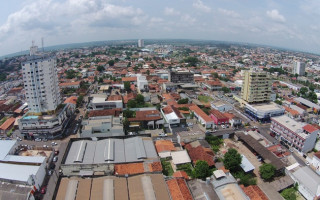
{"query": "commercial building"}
(142, 82)
(41, 81)
(299, 68)
(264, 111)
(103, 126)
(221, 106)
(298, 135)
(181, 77)
(256, 87)
(20, 170)
(137, 187)
(218, 117)
(202, 117)
(307, 179)
(146, 119)
(101, 102)
(91, 155)
(173, 116)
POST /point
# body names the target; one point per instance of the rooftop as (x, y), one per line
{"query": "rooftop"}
(17, 172)
(291, 124)
(164, 145)
(178, 189)
(180, 157)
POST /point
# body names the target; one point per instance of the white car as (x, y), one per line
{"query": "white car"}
(38, 140)
(54, 143)
(222, 126)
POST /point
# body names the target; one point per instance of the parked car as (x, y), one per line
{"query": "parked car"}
(50, 172)
(54, 143)
(43, 190)
(56, 152)
(55, 159)
(45, 139)
(222, 126)
(38, 140)
(52, 166)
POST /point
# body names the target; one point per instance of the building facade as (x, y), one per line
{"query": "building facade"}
(140, 43)
(295, 134)
(299, 68)
(256, 87)
(181, 77)
(41, 82)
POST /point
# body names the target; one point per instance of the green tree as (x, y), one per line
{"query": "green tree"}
(232, 160)
(183, 101)
(201, 170)
(289, 194)
(225, 90)
(140, 99)
(267, 171)
(192, 61)
(129, 64)
(132, 103)
(128, 113)
(215, 75)
(70, 74)
(148, 72)
(303, 90)
(79, 100)
(111, 63)
(127, 86)
(100, 80)
(100, 68)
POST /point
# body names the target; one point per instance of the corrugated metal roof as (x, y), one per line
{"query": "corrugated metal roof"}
(17, 172)
(5, 147)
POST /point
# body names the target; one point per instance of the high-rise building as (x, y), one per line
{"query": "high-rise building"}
(41, 82)
(299, 68)
(140, 43)
(256, 87)
(181, 77)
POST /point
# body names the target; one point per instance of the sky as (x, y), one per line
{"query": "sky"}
(292, 24)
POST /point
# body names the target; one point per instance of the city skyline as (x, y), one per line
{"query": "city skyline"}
(288, 25)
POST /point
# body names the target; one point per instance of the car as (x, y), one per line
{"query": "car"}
(222, 126)
(307, 163)
(54, 144)
(50, 172)
(43, 190)
(56, 152)
(37, 139)
(52, 166)
(45, 140)
(291, 150)
(55, 159)
(45, 146)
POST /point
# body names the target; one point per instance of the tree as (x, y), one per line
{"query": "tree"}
(225, 90)
(289, 194)
(278, 102)
(100, 80)
(201, 170)
(148, 72)
(100, 68)
(183, 101)
(127, 86)
(140, 99)
(215, 75)
(111, 63)
(192, 61)
(267, 171)
(132, 104)
(129, 64)
(303, 90)
(232, 160)
(70, 74)
(79, 100)
(128, 113)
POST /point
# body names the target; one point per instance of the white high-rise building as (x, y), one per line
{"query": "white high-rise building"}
(41, 82)
(140, 43)
(299, 68)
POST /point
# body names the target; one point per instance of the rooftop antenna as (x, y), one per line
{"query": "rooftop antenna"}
(42, 44)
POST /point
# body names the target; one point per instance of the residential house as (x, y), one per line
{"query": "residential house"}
(202, 117)
(200, 150)
(173, 116)
(146, 119)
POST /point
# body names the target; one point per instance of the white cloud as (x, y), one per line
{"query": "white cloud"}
(198, 4)
(229, 13)
(171, 11)
(275, 15)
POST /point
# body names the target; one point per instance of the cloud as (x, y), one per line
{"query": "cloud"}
(188, 19)
(229, 13)
(198, 4)
(171, 12)
(275, 15)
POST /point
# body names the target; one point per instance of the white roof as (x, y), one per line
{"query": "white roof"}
(246, 164)
(24, 159)
(291, 124)
(291, 167)
(5, 147)
(219, 173)
(180, 157)
(99, 100)
(172, 116)
(17, 172)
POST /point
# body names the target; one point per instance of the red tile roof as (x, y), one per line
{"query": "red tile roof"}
(200, 153)
(200, 112)
(219, 115)
(130, 79)
(129, 168)
(72, 100)
(181, 174)
(179, 189)
(9, 122)
(114, 98)
(254, 192)
(309, 128)
(164, 145)
(128, 97)
(107, 112)
(155, 167)
(317, 154)
(147, 115)
(229, 115)
(70, 84)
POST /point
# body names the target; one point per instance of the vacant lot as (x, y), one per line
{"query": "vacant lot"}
(205, 99)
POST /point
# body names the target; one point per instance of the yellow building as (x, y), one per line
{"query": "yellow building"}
(256, 87)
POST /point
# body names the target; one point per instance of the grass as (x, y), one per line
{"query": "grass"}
(166, 166)
(3, 120)
(186, 167)
(205, 99)
(245, 178)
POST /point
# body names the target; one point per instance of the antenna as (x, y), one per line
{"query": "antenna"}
(42, 44)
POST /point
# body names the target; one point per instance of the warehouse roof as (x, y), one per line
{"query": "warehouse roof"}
(111, 151)
(17, 172)
(5, 147)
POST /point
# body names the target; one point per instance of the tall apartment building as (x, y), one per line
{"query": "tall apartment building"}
(256, 87)
(140, 43)
(181, 77)
(41, 82)
(298, 135)
(299, 68)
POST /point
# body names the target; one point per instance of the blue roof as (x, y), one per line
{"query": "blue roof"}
(246, 164)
